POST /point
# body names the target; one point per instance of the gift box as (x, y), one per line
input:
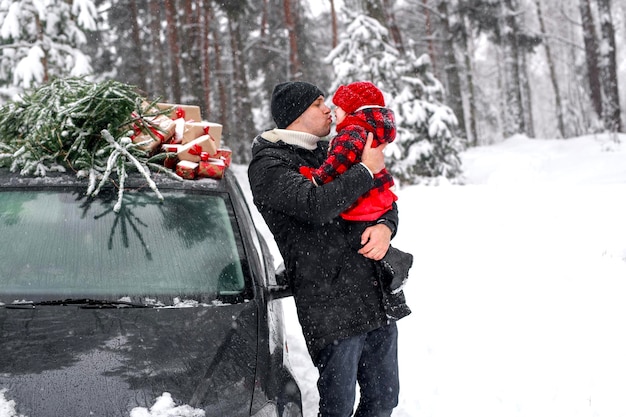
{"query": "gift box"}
(171, 159)
(179, 131)
(187, 169)
(191, 151)
(150, 144)
(161, 130)
(193, 130)
(181, 111)
(211, 168)
(225, 154)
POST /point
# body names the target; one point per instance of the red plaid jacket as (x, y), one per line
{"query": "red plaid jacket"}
(346, 150)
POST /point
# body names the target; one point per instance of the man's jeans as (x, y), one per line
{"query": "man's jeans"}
(371, 360)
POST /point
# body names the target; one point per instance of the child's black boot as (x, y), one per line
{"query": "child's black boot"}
(396, 265)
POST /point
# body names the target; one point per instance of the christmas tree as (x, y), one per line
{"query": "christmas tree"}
(74, 124)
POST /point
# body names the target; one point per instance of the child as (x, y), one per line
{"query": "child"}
(361, 109)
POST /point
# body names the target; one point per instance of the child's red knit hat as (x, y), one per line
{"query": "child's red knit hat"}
(361, 93)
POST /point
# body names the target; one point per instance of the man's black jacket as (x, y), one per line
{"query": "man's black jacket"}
(338, 292)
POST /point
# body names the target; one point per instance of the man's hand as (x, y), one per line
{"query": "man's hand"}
(376, 240)
(373, 158)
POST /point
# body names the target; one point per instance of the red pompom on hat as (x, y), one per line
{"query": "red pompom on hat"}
(358, 94)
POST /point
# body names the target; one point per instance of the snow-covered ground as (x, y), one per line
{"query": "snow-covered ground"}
(518, 289)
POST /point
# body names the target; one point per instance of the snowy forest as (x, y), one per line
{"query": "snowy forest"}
(457, 73)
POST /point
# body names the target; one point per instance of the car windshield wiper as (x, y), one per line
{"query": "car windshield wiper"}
(81, 302)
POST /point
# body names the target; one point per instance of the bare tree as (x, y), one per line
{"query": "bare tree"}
(206, 22)
(452, 67)
(290, 24)
(509, 28)
(464, 44)
(392, 25)
(174, 50)
(157, 65)
(591, 55)
(137, 41)
(430, 37)
(333, 20)
(611, 114)
(553, 77)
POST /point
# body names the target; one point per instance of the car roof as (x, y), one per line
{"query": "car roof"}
(163, 181)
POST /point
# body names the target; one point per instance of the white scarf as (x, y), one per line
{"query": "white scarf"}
(292, 137)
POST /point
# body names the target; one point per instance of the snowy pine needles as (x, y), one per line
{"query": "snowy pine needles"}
(74, 124)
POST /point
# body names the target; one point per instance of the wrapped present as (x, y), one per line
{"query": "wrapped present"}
(181, 111)
(193, 130)
(211, 168)
(191, 151)
(187, 169)
(147, 142)
(170, 147)
(179, 131)
(171, 159)
(161, 130)
(225, 154)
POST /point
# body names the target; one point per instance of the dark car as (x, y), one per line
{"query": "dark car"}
(105, 313)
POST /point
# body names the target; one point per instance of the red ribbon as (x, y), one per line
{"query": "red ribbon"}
(196, 150)
(180, 113)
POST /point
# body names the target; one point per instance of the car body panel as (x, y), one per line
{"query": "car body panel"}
(108, 350)
(94, 361)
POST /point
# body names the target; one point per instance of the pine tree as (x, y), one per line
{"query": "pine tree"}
(73, 124)
(426, 148)
(42, 40)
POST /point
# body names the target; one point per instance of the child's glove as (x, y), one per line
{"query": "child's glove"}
(307, 172)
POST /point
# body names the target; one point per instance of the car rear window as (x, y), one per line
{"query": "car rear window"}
(60, 244)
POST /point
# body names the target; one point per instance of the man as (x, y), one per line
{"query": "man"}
(348, 320)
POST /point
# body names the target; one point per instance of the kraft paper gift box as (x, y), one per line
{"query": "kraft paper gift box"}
(224, 154)
(193, 130)
(191, 151)
(187, 169)
(150, 144)
(181, 111)
(211, 168)
(161, 128)
(170, 160)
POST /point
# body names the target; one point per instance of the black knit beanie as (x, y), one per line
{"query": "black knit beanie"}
(291, 99)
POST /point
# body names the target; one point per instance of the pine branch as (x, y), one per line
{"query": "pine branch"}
(71, 123)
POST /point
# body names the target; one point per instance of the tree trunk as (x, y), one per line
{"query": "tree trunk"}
(44, 58)
(174, 50)
(454, 91)
(469, 80)
(290, 25)
(591, 56)
(156, 63)
(333, 19)
(264, 19)
(514, 117)
(429, 38)
(526, 94)
(611, 114)
(206, 59)
(138, 45)
(220, 75)
(553, 76)
(191, 56)
(241, 109)
(392, 24)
